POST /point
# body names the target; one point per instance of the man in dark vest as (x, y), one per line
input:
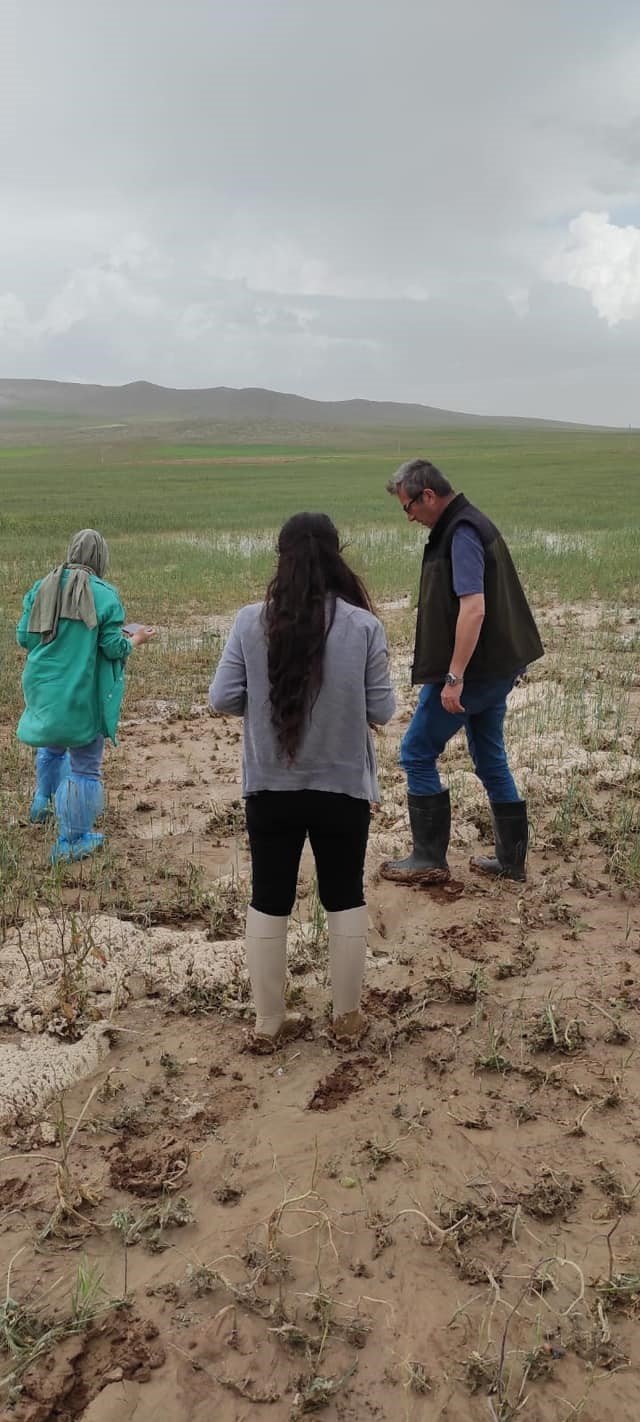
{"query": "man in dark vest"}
(474, 635)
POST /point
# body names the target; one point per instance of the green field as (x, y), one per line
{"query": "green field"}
(192, 527)
(505, 1008)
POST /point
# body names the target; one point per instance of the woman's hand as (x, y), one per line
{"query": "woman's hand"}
(143, 634)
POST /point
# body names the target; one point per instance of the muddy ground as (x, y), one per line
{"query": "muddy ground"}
(440, 1225)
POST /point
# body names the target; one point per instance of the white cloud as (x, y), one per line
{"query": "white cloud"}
(274, 266)
(321, 206)
(603, 260)
(94, 292)
(282, 267)
(518, 298)
(122, 282)
(14, 322)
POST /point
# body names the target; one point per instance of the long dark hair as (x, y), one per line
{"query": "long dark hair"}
(310, 570)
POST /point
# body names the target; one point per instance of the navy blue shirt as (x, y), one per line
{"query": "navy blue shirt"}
(467, 561)
(467, 564)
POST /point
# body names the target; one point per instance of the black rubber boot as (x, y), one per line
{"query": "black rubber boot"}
(511, 831)
(430, 819)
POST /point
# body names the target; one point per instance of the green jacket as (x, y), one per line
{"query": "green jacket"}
(73, 686)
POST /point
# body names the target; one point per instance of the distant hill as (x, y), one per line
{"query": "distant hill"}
(141, 403)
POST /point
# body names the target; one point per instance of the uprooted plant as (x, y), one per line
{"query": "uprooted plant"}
(552, 1033)
(67, 1218)
(148, 1227)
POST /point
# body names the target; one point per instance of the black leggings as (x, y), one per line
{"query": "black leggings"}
(278, 822)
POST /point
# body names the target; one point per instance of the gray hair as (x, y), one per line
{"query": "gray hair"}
(417, 475)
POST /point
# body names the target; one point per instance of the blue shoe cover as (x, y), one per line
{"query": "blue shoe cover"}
(41, 809)
(67, 851)
(79, 801)
(52, 767)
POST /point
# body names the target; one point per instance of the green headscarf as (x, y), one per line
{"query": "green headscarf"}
(87, 554)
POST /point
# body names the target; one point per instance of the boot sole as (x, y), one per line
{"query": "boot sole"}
(497, 873)
(414, 876)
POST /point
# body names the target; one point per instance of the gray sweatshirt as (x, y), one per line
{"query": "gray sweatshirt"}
(336, 752)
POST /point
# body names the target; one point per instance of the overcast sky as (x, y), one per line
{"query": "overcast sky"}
(395, 199)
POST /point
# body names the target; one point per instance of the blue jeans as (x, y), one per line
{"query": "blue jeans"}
(85, 760)
(485, 704)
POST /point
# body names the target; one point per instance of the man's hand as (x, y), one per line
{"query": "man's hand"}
(468, 627)
(450, 698)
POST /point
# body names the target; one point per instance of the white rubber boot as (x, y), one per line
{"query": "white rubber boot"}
(347, 958)
(266, 950)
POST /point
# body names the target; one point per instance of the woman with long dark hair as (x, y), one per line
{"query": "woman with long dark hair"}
(309, 670)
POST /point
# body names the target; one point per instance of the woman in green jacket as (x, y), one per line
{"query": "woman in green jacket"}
(73, 683)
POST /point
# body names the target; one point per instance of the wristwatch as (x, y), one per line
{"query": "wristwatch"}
(451, 680)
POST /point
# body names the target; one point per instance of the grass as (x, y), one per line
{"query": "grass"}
(567, 500)
(28, 1333)
(192, 527)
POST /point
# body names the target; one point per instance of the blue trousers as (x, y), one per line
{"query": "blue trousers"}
(85, 760)
(485, 704)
